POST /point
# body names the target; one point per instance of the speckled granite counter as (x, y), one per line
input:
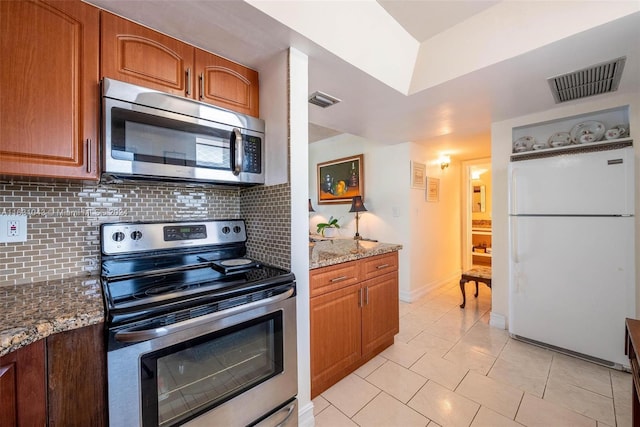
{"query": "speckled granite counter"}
(336, 251)
(34, 311)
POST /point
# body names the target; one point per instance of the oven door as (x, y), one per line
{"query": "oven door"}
(231, 371)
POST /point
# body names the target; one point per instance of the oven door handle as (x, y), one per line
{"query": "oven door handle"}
(147, 334)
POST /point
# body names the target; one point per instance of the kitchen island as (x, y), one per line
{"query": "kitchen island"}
(353, 289)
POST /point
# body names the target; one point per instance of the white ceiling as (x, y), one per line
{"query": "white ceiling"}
(453, 116)
(425, 19)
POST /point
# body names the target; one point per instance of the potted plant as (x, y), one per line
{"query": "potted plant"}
(328, 229)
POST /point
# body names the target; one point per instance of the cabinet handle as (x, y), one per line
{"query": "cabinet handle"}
(382, 266)
(366, 296)
(360, 297)
(188, 85)
(89, 155)
(339, 279)
(201, 85)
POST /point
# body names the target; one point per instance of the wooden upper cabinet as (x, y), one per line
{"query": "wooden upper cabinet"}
(138, 55)
(226, 84)
(49, 83)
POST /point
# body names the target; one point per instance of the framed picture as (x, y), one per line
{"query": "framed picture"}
(340, 180)
(418, 171)
(433, 189)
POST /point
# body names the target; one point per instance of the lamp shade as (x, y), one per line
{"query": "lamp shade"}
(311, 206)
(357, 205)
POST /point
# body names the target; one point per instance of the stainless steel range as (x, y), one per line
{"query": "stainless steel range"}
(198, 334)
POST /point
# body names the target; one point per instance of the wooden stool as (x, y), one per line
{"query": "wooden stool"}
(476, 274)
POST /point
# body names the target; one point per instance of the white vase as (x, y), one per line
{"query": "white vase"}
(330, 232)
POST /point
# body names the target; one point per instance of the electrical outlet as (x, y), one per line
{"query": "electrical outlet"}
(13, 228)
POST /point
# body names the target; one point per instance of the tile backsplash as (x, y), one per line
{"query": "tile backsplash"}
(64, 218)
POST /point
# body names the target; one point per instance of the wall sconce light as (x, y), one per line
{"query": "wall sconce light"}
(357, 206)
(444, 162)
(311, 206)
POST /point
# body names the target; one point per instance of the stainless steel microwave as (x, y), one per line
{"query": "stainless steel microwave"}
(156, 136)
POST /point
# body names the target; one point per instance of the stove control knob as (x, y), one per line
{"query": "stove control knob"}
(136, 235)
(226, 230)
(118, 236)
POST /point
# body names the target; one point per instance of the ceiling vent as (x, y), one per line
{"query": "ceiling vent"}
(597, 79)
(322, 99)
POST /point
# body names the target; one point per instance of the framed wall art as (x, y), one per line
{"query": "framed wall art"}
(340, 180)
(433, 189)
(418, 172)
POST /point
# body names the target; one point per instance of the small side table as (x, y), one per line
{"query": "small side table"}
(476, 274)
(632, 343)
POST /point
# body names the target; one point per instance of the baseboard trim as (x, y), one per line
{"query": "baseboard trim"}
(415, 294)
(305, 416)
(497, 320)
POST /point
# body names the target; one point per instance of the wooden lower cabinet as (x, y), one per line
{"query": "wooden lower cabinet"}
(353, 323)
(76, 368)
(335, 336)
(380, 313)
(23, 399)
(58, 381)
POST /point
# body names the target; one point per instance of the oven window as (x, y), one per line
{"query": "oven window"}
(187, 379)
(153, 139)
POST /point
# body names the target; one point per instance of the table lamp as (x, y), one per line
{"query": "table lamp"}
(357, 206)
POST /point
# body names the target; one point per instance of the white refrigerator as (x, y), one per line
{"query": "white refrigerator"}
(572, 271)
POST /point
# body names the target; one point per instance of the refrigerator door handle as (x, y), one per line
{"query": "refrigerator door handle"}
(514, 241)
(514, 255)
(513, 193)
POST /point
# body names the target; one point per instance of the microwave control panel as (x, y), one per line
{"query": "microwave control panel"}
(252, 162)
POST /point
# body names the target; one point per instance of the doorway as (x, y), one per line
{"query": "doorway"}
(476, 208)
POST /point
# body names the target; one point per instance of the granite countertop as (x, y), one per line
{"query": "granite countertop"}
(336, 251)
(34, 311)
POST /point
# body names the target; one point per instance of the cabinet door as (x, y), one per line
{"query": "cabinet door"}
(335, 336)
(50, 93)
(380, 312)
(22, 387)
(135, 54)
(76, 362)
(227, 84)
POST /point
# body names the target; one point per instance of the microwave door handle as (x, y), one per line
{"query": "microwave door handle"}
(238, 152)
(147, 334)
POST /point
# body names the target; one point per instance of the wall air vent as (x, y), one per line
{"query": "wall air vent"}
(322, 99)
(595, 80)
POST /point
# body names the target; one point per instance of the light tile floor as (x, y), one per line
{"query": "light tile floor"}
(448, 367)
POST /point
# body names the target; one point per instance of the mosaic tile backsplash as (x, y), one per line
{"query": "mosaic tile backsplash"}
(64, 218)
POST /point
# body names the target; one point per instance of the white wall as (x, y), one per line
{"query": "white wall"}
(298, 132)
(501, 141)
(429, 232)
(435, 230)
(273, 110)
